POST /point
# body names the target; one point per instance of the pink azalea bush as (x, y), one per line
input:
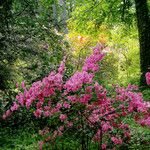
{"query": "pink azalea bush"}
(81, 106)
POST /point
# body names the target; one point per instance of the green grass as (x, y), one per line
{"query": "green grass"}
(140, 139)
(22, 139)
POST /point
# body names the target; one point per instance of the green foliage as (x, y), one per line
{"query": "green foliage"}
(30, 45)
(126, 48)
(25, 139)
(117, 30)
(146, 94)
(140, 136)
(91, 14)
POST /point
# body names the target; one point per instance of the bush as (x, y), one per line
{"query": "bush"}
(82, 109)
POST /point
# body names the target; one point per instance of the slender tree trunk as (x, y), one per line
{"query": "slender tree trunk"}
(143, 24)
(55, 16)
(62, 3)
(5, 17)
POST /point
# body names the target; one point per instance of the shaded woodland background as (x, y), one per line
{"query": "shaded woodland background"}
(35, 35)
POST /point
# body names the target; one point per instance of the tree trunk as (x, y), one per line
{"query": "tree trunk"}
(5, 17)
(143, 24)
(62, 3)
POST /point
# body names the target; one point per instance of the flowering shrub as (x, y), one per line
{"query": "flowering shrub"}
(82, 106)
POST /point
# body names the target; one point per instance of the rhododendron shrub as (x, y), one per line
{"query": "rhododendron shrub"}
(82, 108)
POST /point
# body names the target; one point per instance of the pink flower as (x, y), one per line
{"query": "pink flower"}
(85, 98)
(127, 134)
(38, 105)
(94, 118)
(124, 126)
(55, 133)
(73, 98)
(61, 128)
(38, 113)
(104, 146)
(4, 116)
(41, 143)
(46, 114)
(88, 89)
(20, 98)
(116, 140)
(23, 84)
(69, 124)
(147, 104)
(147, 75)
(145, 122)
(77, 80)
(62, 117)
(61, 68)
(14, 107)
(48, 139)
(17, 85)
(28, 103)
(8, 113)
(54, 110)
(60, 133)
(59, 105)
(106, 126)
(91, 62)
(66, 105)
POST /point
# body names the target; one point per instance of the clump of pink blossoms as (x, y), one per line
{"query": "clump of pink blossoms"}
(147, 75)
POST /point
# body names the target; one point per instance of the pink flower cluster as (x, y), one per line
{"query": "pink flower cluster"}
(145, 122)
(91, 63)
(147, 75)
(77, 80)
(13, 108)
(63, 117)
(39, 91)
(116, 140)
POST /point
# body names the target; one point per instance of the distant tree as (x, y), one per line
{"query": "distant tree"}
(143, 23)
(5, 21)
